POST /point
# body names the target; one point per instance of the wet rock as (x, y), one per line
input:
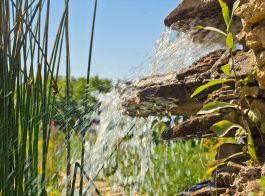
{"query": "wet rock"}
(192, 13)
(203, 189)
(196, 127)
(208, 191)
(227, 149)
(158, 94)
(170, 93)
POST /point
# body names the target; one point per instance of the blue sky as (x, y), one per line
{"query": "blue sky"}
(125, 33)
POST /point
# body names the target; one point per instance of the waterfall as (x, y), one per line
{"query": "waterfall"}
(119, 142)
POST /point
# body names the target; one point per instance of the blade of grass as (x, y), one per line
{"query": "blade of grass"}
(86, 92)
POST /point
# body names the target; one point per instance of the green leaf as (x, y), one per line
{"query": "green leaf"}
(214, 106)
(235, 6)
(226, 69)
(212, 168)
(252, 153)
(212, 29)
(160, 127)
(223, 127)
(209, 84)
(249, 79)
(217, 163)
(225, 11)
(240, 133)
(230, 40)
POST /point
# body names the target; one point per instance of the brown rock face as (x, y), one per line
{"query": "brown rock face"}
(192, 13)
(260, 59)
(252, 11)
(252, 35)
(260, 75)
(156, 95)
(198, 127)
(150, 93)
(159, 94)
(255, 39)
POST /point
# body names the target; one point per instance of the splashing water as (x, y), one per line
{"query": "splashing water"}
(113, 132)
(172, 51)
(126, 145)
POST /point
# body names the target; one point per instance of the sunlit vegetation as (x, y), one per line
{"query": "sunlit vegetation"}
(40, 140)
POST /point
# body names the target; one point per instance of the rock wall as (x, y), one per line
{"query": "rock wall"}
(252, 14)
(192, 13)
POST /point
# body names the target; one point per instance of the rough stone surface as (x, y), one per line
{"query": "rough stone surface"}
(244, 62)
(253, 11)
(255, 39)
(260, 59)
(209, 192)
(200, 126)
(227, 149)
(263, 171)
(156, 95)
(247, 180)
(252, 35)
(260, 75)
(203, 189)
(192, 13)
(170, 93)
(236, 179)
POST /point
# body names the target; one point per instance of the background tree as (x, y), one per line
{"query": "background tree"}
(77, 98)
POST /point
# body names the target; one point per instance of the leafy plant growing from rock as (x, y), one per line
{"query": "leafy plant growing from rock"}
(223, 127)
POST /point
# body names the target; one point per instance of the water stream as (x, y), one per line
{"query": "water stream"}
(173, 51)
(126, 151)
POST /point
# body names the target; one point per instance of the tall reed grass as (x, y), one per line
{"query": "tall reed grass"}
(86, 93)
(28, 85)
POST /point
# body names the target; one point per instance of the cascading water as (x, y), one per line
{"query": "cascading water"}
(172, 51)
(115, 128)
(125, 150)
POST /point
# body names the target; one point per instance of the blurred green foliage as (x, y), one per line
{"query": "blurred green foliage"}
(75, 111)
(78, 85)
(175, 165)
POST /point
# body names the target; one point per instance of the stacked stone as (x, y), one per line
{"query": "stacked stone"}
(252, 14)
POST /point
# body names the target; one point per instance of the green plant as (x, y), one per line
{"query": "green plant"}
(86, 94)
(223, 127)
(28, 80)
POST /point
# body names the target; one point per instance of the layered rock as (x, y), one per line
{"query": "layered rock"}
(192, 13)
(252, 35)
(171, 93)
(158, 94)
